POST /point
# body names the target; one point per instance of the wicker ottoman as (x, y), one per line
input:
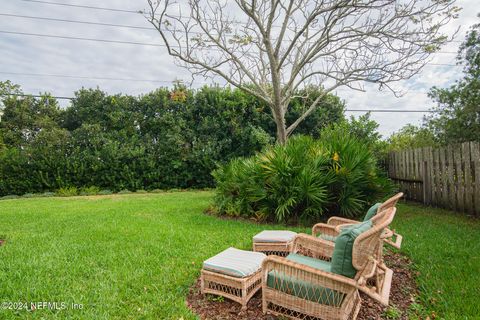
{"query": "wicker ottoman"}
(234, 274)
(274, 242)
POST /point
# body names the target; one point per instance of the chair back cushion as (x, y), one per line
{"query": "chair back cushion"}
(342, 253)
(372, 211)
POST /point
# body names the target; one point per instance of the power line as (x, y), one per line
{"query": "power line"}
(112, 9)
(81, 38)
(34, 96)
(347, 110)
(114, 25)
(77, 21)
(82, 6)
(84, 77)
(116, 41)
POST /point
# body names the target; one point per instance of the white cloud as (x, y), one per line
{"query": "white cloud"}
(82, 58)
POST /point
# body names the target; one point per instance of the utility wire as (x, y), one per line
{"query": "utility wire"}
(111, 9)
(82, 39)
(84, 77)
(82, 6)
(347, 110)
(28, 74)
(114, 24)
(77, 21)
(114, 41)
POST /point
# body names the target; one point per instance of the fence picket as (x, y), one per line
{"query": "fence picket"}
(451, 180)
(459, 176)
(468, 177)
(475, 154)
(448, 177)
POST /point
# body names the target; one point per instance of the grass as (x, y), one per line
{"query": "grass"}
(135, 256)
(445, 249)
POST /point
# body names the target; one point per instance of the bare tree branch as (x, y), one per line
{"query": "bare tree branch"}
(272, 49)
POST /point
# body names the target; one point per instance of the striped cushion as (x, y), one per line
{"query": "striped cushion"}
(274, 236)
(236, 263)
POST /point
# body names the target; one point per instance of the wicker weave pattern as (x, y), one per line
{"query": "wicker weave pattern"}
(291, 304)
(394, 239)
(283, 302)
(281, 249)
(240, 290)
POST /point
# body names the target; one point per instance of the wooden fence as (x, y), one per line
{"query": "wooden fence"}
(447, 177)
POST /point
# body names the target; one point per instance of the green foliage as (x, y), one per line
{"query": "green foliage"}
(161, 140)
(392, 313)
(29, 195)
(366, 130)
(457, 117)
(9, 197)
(409, 137)
(89, 191)
(302, 181)
(67, 192)
(105, 192)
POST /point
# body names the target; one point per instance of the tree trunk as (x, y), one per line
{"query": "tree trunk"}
(279, 118)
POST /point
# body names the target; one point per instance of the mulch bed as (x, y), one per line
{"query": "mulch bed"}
(402, 294)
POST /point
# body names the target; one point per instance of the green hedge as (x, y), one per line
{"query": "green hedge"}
(161, 140)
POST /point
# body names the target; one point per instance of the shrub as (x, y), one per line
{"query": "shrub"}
(157, 191)
(89, 191)
(302, 181)
(29, 195)
(67, 192)
(124, 191)
(105, 192)
(9, 197)
(47, 194)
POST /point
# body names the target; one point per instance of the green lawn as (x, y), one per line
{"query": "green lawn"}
(135, 256)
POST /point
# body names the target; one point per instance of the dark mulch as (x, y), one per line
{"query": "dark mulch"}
(402, 295)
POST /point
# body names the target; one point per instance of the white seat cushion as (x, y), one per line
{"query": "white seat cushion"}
(274, 236)
(235, 262)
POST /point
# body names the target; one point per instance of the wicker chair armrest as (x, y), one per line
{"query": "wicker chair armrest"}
(339, 227)
(392, 238)
(323, 228)
(335, 221)
(308, 274)
(314, 247)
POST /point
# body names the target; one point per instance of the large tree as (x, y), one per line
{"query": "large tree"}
(457, 117)
(272, 48)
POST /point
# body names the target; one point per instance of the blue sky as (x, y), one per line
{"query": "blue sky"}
(25, 54)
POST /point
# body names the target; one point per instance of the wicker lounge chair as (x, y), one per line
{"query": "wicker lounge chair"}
(303, 285)
(328, 231)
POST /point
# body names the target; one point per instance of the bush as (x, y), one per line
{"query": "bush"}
(89, 191)
(29, 195)
(157, 191)
(105, 192)
(124, 191)
(47, 194)
(67, 192)
(9, 197)
(302, 181)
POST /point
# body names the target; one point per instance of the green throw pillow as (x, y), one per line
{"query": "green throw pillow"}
(342, 253)
(372, 211)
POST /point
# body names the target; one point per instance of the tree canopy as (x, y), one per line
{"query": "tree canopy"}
(276, 49)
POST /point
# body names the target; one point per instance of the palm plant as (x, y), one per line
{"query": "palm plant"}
(302, 180)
